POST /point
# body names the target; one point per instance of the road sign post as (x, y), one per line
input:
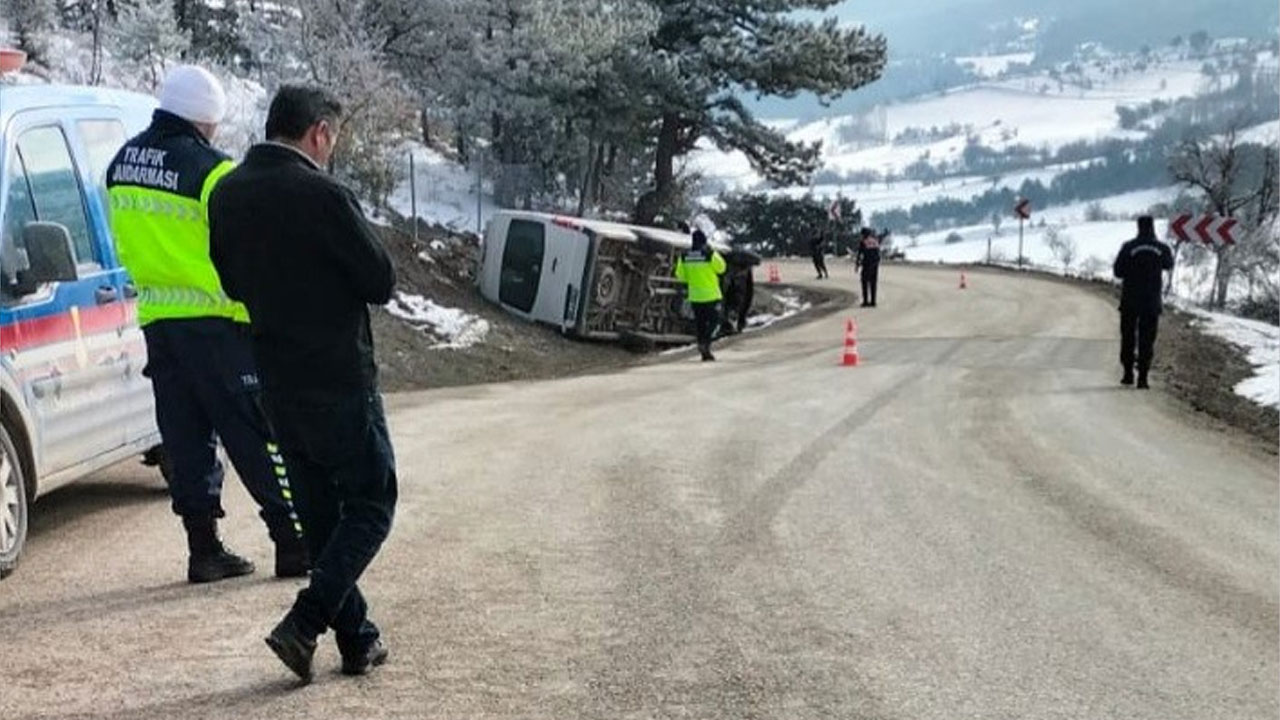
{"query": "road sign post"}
(1023, 210)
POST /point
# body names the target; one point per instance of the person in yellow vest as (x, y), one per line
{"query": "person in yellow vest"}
(199, 353)
(700, 269)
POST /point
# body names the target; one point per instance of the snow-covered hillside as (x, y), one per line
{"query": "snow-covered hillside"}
(1033, 110)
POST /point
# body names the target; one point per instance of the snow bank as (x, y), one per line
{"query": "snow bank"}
(1262, 343)
(455, 328)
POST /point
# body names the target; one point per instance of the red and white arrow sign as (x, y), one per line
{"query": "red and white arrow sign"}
(1207, 229)
(1225, 230)
(1023, 208)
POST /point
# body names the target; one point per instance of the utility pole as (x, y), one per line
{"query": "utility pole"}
(413, 197)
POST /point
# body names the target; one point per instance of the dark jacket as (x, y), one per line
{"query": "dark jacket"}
(818, 246)
(1140, 265)
(868, 251)
(293, 244)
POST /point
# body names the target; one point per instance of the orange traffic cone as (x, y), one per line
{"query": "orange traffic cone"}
(774, 275)
(964, 282)
(850, 357)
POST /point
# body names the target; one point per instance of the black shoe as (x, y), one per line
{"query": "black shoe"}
(209, 561)
(291, 558)
(219, 566)
(372, 657)
(1128, 378)
(873, 303)
(1142, 382)
(294, 649)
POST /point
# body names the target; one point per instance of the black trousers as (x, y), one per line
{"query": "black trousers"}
(870, 279)
(206, 388)
(706, 319)
(1138, 331)
(344, 479)
(820, 264)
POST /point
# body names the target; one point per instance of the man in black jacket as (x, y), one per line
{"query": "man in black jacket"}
(294, 246)
(868, 259)
(1140, 265)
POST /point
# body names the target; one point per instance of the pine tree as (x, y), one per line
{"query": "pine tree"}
(705, 52)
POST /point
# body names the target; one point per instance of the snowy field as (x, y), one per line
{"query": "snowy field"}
(1032, 110)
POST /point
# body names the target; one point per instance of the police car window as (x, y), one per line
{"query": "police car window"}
(102, 140)
(18, 208)
(55, 187)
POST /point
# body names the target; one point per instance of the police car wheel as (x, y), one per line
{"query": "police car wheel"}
(13, 505)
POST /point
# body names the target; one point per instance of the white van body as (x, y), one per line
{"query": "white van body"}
(589, 278)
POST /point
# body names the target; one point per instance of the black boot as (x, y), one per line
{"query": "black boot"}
(360, 663)
(294, 648)
(1142, 380)
(292, 560)
(209, 560)
(706, 353)
(1128, 377)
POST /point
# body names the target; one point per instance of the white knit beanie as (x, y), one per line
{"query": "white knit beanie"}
(194, 94)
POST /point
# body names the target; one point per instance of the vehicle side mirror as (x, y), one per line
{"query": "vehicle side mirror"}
(50, 256)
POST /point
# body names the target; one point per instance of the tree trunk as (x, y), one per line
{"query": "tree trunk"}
(426, 127)
(1221, 279)
(597, 175)
(652, 202)
(585, 189)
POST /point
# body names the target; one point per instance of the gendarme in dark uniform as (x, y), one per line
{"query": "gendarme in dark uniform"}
(868, 259)
(1140, 265)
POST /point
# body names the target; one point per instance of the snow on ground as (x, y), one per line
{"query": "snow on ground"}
(446, 192)
(1096, 245)
(1267, 133)
(1262, 343)
(454, 328)
(905, 194)
(790, 304)
(991, 66)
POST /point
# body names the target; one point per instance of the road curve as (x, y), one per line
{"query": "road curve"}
(977, 522)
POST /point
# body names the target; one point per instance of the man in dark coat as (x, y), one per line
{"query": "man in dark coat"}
(818, 248)
(1140, 265)
(868, 259)
(293, 244)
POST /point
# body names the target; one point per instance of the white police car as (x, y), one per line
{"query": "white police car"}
(72, 396)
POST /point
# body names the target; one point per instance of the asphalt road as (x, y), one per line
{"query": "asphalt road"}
(978, 522)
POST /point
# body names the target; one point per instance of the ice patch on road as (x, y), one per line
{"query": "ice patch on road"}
(1262, 343)
(454, 328)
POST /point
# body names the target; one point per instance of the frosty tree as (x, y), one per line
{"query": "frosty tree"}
(30, 20)
(148, 34)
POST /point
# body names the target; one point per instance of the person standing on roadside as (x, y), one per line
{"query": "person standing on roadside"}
(700, 268)
(1140, 266)
(818, 249)
(199, 356)
(868, 259)
(294, 245)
